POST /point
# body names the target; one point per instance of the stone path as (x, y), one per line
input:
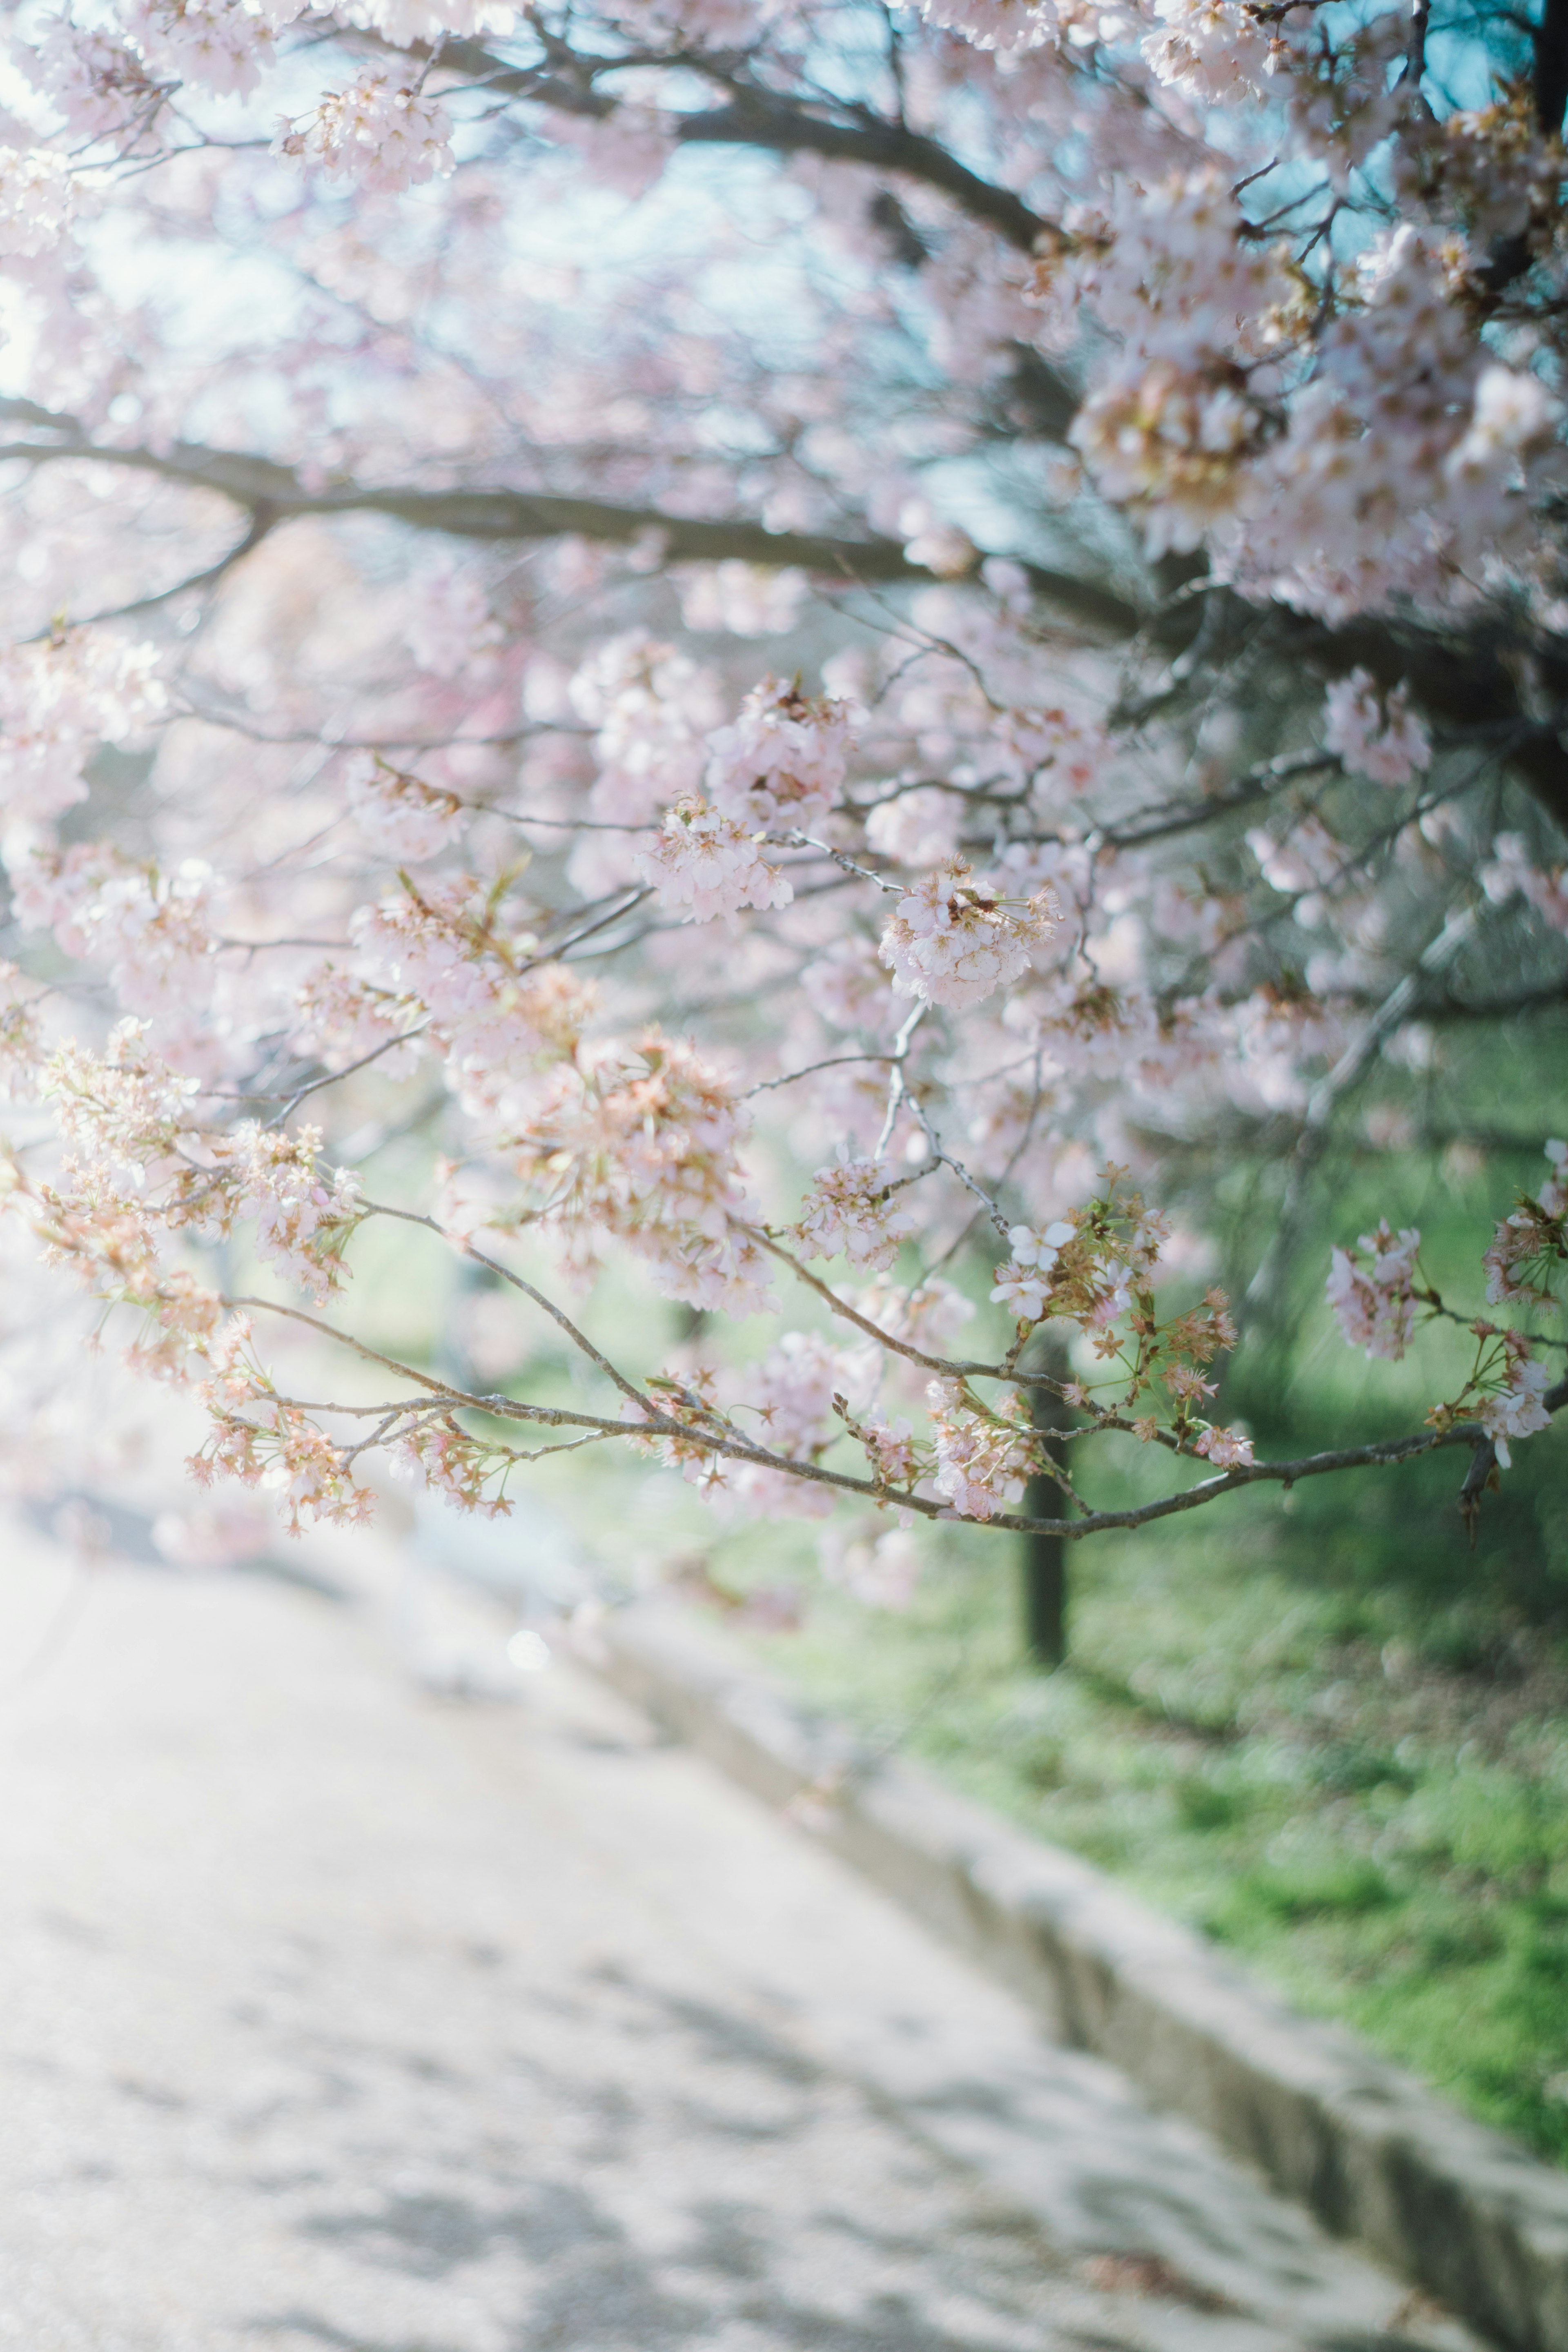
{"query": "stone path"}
(337, 2016)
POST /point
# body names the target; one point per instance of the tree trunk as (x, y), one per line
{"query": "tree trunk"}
(1046, 1557)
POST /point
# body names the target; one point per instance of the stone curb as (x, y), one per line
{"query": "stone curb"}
(1459, 2209)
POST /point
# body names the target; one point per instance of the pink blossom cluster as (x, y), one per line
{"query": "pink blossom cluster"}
(303, 1214)
(440, 1454)
(782, 761)
(1373, 1297)
(400, 815)
(1526, 1246)
(341, 1019)
(890, 1447)
(787, 1409)
(58, 701)
(1375, 736)
(383, 134)
(1512, 874)
(442, 961)
(121, 1114)
(983, 1457)
(954, 940)
(278, 1447)
(153, 933)
(1214, 50)
(707, 865)
(641, 1142)
(849, 1212)
(1226, 1448)
(21, 1036)
(219, 45)
(1023, 1283)
(38, 199)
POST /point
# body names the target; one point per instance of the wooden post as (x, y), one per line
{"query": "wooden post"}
(1046, 1557)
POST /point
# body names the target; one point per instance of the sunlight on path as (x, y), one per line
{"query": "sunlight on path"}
(338, 2017)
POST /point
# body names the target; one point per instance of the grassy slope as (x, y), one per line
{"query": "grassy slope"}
(1366, 1799)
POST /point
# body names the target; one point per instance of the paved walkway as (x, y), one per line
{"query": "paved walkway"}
(336, 2016)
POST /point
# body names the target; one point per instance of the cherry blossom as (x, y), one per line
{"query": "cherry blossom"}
(37, 200)
(1226, 1448)
(709, 865)
(400, 815)
(1519, 1261)
(1380, 738)
(982, 1460)
(1023, 1284)
(953, 942)
(641, 1142)
(303, 1216)
(1373, 1302)
(782, 762)
(58, 701)
(1051, 532)
(384, 135)
(848, 1212)
(1517, 1409)
(1512, 874)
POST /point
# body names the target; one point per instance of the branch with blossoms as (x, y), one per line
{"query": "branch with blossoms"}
(1093, 1270)
(978, 1453)
(891, 883)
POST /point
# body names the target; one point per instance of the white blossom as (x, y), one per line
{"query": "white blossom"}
(58, 701)
(1517, 1409)
(1024, 1283)
(37, 200)
(1512, 874)
(983, 1461)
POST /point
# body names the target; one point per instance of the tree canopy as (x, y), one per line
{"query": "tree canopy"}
(722, 639)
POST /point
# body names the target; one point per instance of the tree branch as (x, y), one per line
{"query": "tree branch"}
(1551, 44)
(503, 515)
(1464, 682)
(722, 1440)
(761, 118)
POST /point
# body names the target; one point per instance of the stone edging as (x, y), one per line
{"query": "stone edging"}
(1457, 2209)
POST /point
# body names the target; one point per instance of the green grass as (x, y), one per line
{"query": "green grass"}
(1351, 1789)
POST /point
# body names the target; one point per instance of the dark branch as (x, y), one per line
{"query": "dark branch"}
(510, 516)
(1551, 43)
(1468, 682)
(786, 126)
